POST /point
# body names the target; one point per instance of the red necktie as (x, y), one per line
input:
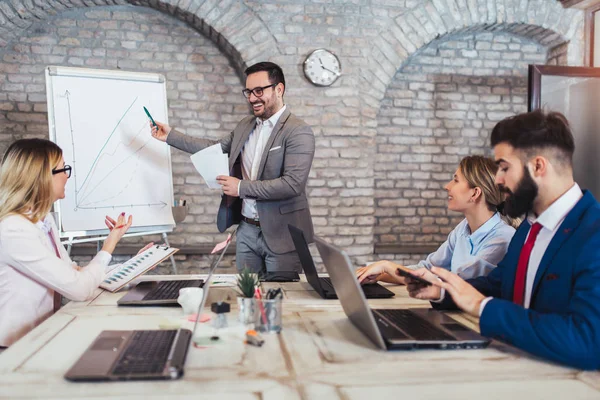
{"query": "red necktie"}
(521, 275)
(57, 296)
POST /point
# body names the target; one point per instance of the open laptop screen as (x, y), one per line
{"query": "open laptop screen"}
(348, 290)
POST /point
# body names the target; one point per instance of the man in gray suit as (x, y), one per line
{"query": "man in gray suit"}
(270, 155)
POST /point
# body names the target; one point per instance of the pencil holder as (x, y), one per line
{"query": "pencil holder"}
(179, 213)
(269, 318)
(248, 310)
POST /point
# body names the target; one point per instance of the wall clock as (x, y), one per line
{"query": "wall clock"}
(322, 67)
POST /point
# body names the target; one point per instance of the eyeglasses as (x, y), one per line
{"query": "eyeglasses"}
(66, 169)
(257, 91)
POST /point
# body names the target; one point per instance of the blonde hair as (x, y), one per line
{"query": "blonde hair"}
(480, 172)
(26, 184)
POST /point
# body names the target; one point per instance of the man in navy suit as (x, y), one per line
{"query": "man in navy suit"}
(544, 296)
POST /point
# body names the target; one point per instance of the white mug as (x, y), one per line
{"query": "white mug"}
(189, 299)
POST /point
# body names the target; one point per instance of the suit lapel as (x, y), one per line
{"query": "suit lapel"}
(276, 129)
(562, 234)
(240, 139)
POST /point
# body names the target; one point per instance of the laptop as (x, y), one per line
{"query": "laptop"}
(139, 354)
(322, 285)
(157, 293)
(279, 276)
(392, 329)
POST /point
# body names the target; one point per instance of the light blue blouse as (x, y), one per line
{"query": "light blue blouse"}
(472, 254)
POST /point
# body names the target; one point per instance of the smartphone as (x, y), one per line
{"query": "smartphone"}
(414, 277)
(150, 116)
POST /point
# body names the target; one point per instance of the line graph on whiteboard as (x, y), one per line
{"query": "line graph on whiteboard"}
(101, 126)
(97, 118)
(118, 159)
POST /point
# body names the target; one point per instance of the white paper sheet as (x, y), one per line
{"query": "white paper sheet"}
(210, 163)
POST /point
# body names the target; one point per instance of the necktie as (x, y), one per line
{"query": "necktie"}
(57, 296)
(521, 275)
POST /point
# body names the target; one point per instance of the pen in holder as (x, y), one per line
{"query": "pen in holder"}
(179, 213)
(270, 318)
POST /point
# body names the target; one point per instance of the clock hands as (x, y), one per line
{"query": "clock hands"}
(327, 69)
(322, 67)
(332, 71)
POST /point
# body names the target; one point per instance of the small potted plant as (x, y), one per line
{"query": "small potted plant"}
(247, 306)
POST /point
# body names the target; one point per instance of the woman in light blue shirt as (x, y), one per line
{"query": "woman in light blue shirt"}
(478, 242)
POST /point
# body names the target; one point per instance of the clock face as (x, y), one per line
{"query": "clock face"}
(322, 67)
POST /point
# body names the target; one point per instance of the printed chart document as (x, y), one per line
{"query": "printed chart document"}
(210, 163)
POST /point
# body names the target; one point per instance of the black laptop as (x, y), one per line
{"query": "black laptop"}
(402, 329)
(160, 293)
(139, 354)
(157, 293)
(323, 286)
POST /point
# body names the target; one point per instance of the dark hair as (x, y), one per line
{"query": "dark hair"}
(536, 130)
(275, 72)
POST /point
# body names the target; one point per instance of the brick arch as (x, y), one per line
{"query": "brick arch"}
(440, 107)
(551, 25)
(231, 27)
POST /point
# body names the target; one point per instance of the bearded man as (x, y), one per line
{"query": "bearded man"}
(544, 296)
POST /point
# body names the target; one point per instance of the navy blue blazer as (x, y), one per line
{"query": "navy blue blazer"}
(563, 320)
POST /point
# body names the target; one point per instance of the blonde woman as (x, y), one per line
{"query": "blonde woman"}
(478, 242)
(34, 268)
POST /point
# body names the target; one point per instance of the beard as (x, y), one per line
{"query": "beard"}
(521, 200)
(269, 108)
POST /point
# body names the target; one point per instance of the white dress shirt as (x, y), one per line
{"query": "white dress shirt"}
(252, 154)
(550, 219)
(30, 273)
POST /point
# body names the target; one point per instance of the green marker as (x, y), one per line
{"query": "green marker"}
(150, 116)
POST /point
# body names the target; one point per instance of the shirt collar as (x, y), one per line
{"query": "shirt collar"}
(483, 230)
(273, 120)
(44, 224)
(558, 210)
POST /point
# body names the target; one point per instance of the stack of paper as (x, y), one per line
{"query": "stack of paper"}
(210, 163)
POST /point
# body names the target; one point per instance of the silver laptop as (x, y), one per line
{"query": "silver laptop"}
(393, 328)
(139, 354)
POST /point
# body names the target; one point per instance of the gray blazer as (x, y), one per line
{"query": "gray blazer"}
(280, 191)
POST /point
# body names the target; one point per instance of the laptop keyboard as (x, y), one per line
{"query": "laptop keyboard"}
(169, 290)
(414, 325)
(368, 290)
(327, 282)
(146, 353)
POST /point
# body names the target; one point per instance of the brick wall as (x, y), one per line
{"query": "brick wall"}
(203, 91)
(388, 122)
(439, 108)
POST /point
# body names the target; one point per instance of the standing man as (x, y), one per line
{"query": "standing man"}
(270, 155)
(544, 296)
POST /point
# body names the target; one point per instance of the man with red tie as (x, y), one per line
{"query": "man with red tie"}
(544, 296)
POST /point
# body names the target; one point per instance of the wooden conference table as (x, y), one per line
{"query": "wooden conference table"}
(318, 355)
